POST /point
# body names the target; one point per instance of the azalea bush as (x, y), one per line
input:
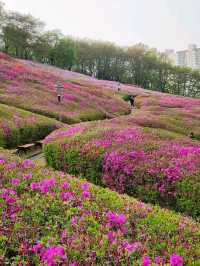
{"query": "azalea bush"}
(31, 86)
(18, 126)
(50, 218)
(153, 164)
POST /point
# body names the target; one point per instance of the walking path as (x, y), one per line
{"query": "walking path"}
(38, 156)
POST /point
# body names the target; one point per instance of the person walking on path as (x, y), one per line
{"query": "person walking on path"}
(59, 91)
(132, 101)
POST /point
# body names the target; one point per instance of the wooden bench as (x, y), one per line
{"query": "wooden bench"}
(24, 148)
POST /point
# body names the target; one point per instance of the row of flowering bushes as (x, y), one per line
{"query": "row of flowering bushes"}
(31, 86)
(49, 218)
(18, 126)
(152, 164)
(177, 114)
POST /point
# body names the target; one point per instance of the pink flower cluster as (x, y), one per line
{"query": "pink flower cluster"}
(43, 186)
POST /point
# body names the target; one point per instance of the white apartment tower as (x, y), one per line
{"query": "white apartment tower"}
(181, 58)
(185, 58)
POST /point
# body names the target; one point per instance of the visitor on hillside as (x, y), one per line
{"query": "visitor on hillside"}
(59, 90)
(132, 100)
(192, 135)
(119, 86)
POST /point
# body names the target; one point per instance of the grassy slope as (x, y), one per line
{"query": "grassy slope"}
(47, 213)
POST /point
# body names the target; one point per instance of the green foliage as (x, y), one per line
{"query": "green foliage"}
(126, 97)
(189, 195)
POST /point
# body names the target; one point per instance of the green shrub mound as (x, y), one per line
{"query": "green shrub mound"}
(155, 165)
(19, 127)
(49, 218)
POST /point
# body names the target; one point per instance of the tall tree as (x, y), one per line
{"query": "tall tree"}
(19, 33)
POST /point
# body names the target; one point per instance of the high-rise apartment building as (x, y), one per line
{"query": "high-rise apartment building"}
(185, 58)
(181, 58)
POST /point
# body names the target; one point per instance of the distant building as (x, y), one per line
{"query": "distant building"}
(185, 58)
(181, 58)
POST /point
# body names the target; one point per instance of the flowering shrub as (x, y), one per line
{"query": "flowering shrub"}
(49, 218)
(31, 86)
(18, 126)
(177, 114)
(154, 165)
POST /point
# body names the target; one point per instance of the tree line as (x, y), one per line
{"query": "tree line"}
(24, 36)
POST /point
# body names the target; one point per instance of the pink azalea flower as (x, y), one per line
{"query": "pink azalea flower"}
(2, 161)
(52, 254)
(146, 261)
(66, 196)
(15, 181)
(35, 186)
(118, 219)
(85, 194)
(65, 185)
(176, 260)
(110, 237)
(27, 176)
(85, 185)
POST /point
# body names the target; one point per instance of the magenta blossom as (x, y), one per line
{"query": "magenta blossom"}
(2, 161)
(65, 185)
(176, 260)
(46, 184)
(66, 196)
(85, 194)
(35, 186)
(27, 176)
(110, 237)
(85, 185)
(132, 247)
(118, 219)
(146, 261)
(27, 164)
(52, 254)
(15, 181)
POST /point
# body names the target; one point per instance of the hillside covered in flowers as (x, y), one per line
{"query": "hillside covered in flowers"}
(152, 154)
(124, 185)
(50, 218)
(31, 86)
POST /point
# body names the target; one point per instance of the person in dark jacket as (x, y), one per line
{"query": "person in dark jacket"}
(132, 100)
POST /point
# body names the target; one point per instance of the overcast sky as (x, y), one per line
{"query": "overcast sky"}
(159, 23)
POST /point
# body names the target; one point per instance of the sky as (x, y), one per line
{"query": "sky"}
(163, 24)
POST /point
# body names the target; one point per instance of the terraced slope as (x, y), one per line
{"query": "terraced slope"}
(31, 86)
(147, 154)
(50, 218)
